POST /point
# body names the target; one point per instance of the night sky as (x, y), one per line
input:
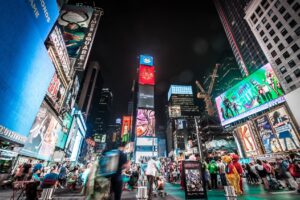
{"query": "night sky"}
(185, 39)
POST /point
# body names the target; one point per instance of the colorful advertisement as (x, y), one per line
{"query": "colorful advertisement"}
(63, 134)
(180, 89)
(257, 92)
(268, 137)
(174, 111)
(146, 141)
(146, 75)
(74, 21)
(26, 69)
(72, 94)
(72, 136)
(146, 96)
(126, 128)
(146, 60)
(145, 123)
(43, 135)
(247, 139)
(56, 92)
(284, 129)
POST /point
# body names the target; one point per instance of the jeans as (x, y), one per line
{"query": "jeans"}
(223, 179)
(214, 182)
(150, 186)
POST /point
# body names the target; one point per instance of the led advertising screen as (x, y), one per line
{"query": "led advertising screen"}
(72, 94)
(284, 129)
(72, 136)
(76, 147)
(43, 135)
(146, 96)
(146, 75)
(180, 89)
(180, 124)
(174, 111)
(56, 92)
(268, 137)
(257, 92)
(145, 123)
(144, 155)
(74, 21)
(247, 139)
(146, 141)
(126, 128)
(146, 60)
(26, 69)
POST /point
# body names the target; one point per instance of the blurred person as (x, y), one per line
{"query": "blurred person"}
(62, 176)
(38, 166)
(232, 174)
(238, 166)
(213, 170)
(206, 174)
(283, 172)
(262, 174)
(221, 167)
(26, 169)
(151, 172)
(294, 168)
(50, 179)
(251, 175)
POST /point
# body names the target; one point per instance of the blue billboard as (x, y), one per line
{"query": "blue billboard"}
(180, 89)
(146, 60)
(25, 70)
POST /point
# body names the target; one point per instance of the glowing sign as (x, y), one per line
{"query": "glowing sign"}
(146, 60)
(145, 123)
(180, 89)
(146, 76)
(126, 128)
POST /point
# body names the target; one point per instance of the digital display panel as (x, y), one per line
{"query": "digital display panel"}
(284, 129)
(146, 96)
(146, 60)
(72, 135)
(247, 139)
(146, 141)
(174, 111)
(76, 146)
(146, 75)
(180, 124)
(26, 69)
(140, 155)
(180, 89)
(145, 123)
(126, 128)
(257, 92)
(43, 135)
(56, 92)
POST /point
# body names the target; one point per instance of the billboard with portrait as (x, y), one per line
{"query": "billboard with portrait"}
(284, 129)
(266, 134)
(56, 92)
(126, 128)
(26, 69)
(146, 96)
(257, 92)
(43, 135)
(146, 141)
(174, 111)
(72, 136)
(63, 134)
(146, 75)
(146, 60)
(247, 139)
(145, 123)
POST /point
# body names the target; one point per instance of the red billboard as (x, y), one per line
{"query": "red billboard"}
(126, 128)
(146, 75)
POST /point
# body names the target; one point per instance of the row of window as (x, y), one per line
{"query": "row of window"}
(289, 79)
(291, 64)
(286, 54)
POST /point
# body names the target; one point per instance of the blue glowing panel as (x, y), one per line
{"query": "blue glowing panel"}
(180, 89)
(146, 60)
(25, 69)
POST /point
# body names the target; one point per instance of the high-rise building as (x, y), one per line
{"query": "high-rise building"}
(246, 50)
(276, 27)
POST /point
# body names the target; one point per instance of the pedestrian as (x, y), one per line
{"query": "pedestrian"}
(151, 172)
(213, 170)
(221, 167)
(62, 176)
(26, 169)
(239, 168)
(294, 169)
(262, 174)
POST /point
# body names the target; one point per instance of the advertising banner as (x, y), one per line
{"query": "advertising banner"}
(72, 94)
(145, 123)
(146, 96)
(146, 60)
(43, 135)
(181, 124)
(146, 141)
(193, 180)
(247, 139)
(56, 92)
(72, 136)
(180, 89)
(174, 111)
(267, 135)
(76, 147)
(26, 69)
(250, 95)
(126, 128)
(146, 75)
(284, 129)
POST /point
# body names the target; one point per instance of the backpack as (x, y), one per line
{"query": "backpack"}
(294, 168)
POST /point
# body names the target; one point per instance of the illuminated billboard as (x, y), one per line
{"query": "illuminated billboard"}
(257, 92)
(146, 60)
(247, 139)
(180, 89)
(26, 69)
(56, 92)
(126, 128)
(146, 141)
(174, 111)
(146, 96)
(146, 75)
(43, 135)
(145, 123)
(284, 129)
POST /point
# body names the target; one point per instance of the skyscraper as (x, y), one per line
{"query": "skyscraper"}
(246, 50)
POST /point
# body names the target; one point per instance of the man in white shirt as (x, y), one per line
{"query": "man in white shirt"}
(151, 172)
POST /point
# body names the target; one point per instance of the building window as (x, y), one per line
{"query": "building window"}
(282, 10)
(292, 63)
(270, 12)
(273, 53)
(293, 23)
(290, 1)
(261, 33)
(296, 7)
(297, 31)
(297, 72)
(279, 25)
(253, 19)
(258, 27)
(264, 20)
(268, 26)
(283, 32)
(298, 56)
(293, 87)
(277, 3)
(265, 4)
(286, 55)
(295, 48)
(259, 11)
(278, 61)
(272, 32)
(269, 46)
(265, 39)
(280, 46)
(288, 79)
(283, 69)
(287, 16)
(289, 40)
(274, 18)
(276, 39)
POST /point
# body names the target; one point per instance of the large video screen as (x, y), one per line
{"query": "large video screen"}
(146, 96)
(247, 139)
(145, 123)
(146, 60)
(56, 92)
(146, 75)
(26, 69)
(257, 92)
(180, 89)
(126, 128)
(284, 129)
(146, 141)
(43, 134)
